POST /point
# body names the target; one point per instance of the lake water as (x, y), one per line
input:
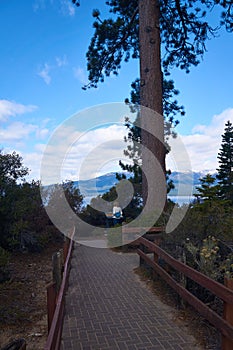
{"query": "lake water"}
(182, 199)
(177, 199)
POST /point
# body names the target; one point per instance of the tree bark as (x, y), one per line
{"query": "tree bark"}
(153, 180)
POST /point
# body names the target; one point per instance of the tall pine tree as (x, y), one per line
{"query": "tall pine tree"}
(163, 35)
(225, 170)
(208, 191)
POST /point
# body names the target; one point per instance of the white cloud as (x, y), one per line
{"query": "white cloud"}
(11, 109)
(32, 161)
(38, 4)
(44, 73)
(204, 142)
(40, 147)
(86, 155)
(96, 150)
(99, 150)
(80, 75)
(61, 61)
(42, 133)
(67, 8)
(16, 132)
(47, 69)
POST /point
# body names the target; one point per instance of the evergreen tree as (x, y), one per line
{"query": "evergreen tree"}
(134, 139)
(138, 29)
(225, 170)
(28, 225)
(11, 172)
(209, 190)
(24, 222)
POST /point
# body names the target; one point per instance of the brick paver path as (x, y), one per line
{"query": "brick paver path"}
(108, 308)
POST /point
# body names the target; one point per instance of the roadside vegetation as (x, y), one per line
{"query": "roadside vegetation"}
(206, 233)
(28, 239)
(24, 224)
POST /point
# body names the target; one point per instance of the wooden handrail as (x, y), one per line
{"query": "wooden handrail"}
(214, 287)
(131, 229)
(54, 336)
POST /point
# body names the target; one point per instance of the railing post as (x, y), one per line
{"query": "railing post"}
(157, 241)
(66, 245)
(124, 239)
(57, 270)
(156, 260)
(227, 344)
(51, 302)
(182, 279)
(141, 260)
(62, 261)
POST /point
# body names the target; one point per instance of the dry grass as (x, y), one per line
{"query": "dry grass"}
(23, 299)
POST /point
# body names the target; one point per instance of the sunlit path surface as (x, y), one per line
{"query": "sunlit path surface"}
(107, 307)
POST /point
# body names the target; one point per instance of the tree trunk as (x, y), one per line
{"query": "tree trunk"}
(153, 180)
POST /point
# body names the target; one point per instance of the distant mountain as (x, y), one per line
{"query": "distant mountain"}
(186, 181)
(101, 184)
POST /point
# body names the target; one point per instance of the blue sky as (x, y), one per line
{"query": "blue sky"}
(43, 67)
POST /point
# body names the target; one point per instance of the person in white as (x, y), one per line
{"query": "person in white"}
(117, 213)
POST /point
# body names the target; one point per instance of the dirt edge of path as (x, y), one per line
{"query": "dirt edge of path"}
(23, 298)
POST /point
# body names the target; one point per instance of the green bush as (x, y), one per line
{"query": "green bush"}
(206, 256)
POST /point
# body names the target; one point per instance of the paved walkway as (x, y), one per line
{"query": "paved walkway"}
(108, 308)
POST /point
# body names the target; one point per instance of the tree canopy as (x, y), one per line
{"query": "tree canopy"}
(185, 27)
(209, 190)
(24, 223)
(225, 170)
(11, 168)
(163, 35)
